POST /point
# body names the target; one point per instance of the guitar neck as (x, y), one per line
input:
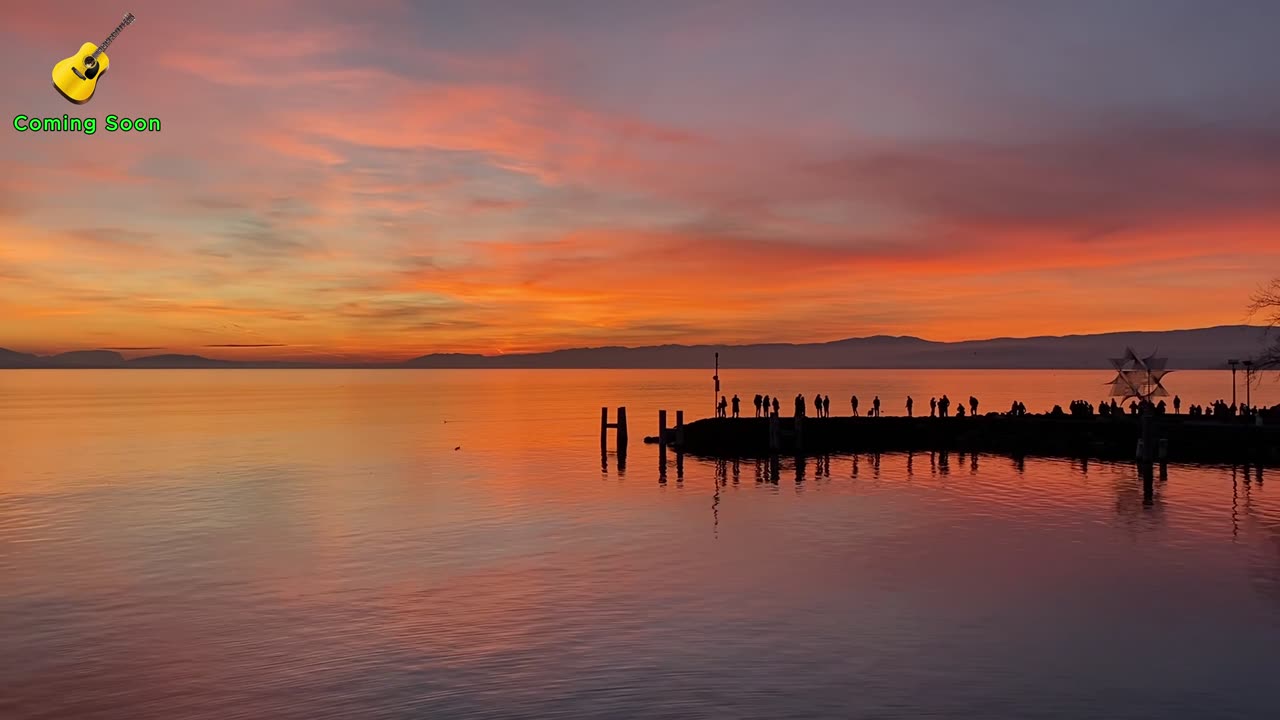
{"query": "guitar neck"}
(103, 46)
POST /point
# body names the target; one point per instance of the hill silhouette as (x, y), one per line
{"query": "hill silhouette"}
(1203, 348)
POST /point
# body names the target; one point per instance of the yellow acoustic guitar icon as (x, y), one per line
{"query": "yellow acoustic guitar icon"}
(77, 76)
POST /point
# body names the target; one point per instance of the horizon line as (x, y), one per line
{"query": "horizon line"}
(339, 359)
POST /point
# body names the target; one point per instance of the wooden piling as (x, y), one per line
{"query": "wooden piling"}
(679, 428)
(662, 428)
(620, 426)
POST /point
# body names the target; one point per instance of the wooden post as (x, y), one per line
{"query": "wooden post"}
(620, 426)
(662, 428)
(1145, 440)
(679, 428)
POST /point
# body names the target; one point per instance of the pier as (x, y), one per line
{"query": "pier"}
(1146, 439)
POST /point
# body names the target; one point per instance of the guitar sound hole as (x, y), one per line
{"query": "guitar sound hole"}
(90, 68)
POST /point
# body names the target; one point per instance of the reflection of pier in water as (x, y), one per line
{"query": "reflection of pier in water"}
(1138, 487)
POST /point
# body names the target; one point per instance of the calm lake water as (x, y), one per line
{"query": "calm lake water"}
(448, 544)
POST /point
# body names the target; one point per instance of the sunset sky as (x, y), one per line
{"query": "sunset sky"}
(381, 179)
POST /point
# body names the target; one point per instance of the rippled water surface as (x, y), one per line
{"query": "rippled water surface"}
(403, 544)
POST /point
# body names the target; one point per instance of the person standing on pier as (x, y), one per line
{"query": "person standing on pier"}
(909, 404)
(875, 406)
(817, 406)
(943, 405)
(776, 407)
(736, 402)
(724, 406)
(826, 406)
(764, 403)
(973, 406)
(853, 400)
(1177, 405)
(758, 400)
(933, 407)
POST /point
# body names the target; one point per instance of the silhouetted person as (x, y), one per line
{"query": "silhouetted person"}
(973, 405)
(1115, 409)
(826, 406)
(776, 407)
(758, 400)
(1160, 408)
(933, 407)
(959, 411)
(909, 404)
(817, 406)
(799, 405)
(736, 401)
(853, 400)
(724, 405)
(875, 406)
(1177, 405)
(765, 404)
(943, 406)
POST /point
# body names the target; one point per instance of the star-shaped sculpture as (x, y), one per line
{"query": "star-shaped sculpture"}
(1138, 377)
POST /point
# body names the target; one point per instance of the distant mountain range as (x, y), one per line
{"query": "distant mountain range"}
(1205, 348)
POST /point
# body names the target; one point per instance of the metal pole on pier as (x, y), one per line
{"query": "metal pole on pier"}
(1233, 363)
(715, 394)
(1248, 383)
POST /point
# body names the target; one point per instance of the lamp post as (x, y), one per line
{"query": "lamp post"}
(1248, 383)
(1233, 363)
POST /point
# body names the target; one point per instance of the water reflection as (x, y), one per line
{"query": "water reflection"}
(174, 544)
(620, 458)
(715, 511)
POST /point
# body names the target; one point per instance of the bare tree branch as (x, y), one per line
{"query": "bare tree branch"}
(1266, 302)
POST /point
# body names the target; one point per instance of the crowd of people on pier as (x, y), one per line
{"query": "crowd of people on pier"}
(1220, 410)
(766, 406)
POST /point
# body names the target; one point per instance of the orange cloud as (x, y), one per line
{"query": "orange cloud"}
(323, 184)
